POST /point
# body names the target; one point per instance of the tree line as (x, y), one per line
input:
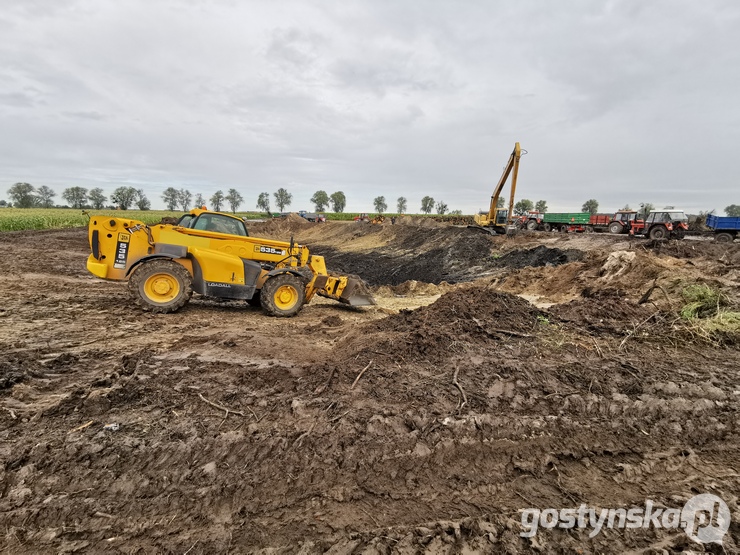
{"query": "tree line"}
(25, 195)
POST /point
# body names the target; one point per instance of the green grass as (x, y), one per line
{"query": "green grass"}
(707, 316)
(702, 301)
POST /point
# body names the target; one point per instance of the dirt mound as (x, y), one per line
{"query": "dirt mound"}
(538, 256)
(603, 311)
(412, 288)
(723, 252)
(406, 253)
(419, 221)
(280, 227)
(465, 319)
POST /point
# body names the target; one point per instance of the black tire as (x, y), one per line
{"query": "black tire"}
(283, 295)
(616, 228)
(563, 229)
(724, 238)
(532, 225)
(658, 232)
(547, 227)
(161, 286)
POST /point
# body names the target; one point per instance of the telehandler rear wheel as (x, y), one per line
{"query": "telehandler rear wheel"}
(161, 285)
(283, 295)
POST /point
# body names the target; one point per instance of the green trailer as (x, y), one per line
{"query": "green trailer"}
(573, 218)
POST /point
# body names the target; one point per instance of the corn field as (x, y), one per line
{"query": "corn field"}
(17, 219)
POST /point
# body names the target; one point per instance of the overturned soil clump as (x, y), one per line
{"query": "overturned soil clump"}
(538, 256)
(603, 311)
(470, 316)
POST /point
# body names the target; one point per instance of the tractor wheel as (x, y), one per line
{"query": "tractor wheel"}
(588, 229)
(547, 227)
(616, 227)
(658, 232)
(724, 238)
(161, 286)
(563, 229)
(532, 225)
(283, 295)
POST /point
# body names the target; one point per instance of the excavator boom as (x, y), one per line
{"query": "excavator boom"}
(496, 218)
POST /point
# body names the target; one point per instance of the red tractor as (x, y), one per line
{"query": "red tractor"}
(662, 224)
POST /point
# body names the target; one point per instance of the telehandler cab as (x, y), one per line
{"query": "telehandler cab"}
(211, 253)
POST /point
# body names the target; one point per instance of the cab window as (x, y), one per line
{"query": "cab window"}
(185, 220)
(218, 223)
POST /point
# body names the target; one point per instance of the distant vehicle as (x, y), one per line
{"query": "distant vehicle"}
(312, 216)
(725, 228)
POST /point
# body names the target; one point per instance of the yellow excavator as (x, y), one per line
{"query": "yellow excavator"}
(496, 220)
(211, 253)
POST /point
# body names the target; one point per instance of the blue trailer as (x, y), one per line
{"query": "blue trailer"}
(725, 229)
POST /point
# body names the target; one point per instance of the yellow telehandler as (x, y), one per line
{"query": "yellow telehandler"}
(211, 253)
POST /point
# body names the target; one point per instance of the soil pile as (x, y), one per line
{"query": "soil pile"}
(280, 228)
(467, 319)
(412, 288)
(727, 253)
(538, 256)
(408, 253)
(603, 311)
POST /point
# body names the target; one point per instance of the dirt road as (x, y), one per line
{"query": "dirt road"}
(425, 424)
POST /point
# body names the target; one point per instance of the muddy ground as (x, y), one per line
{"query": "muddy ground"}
(496, 374)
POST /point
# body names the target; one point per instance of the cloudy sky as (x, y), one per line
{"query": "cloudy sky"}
(622, 101)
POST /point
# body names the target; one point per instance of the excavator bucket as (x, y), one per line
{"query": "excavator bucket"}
(356, 293)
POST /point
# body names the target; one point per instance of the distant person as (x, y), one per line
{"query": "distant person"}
(393, 220)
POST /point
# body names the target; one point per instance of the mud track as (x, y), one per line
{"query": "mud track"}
(426, 424)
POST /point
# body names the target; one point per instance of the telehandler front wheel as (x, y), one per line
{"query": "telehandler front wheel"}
(161, 285)
(283, 295)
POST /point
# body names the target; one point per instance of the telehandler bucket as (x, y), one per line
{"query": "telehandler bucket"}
(356, 293)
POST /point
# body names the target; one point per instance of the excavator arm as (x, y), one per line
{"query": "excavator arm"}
(512, 168)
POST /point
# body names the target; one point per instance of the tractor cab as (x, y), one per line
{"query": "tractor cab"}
(625, 216)
(216, 222)
(668, 217)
